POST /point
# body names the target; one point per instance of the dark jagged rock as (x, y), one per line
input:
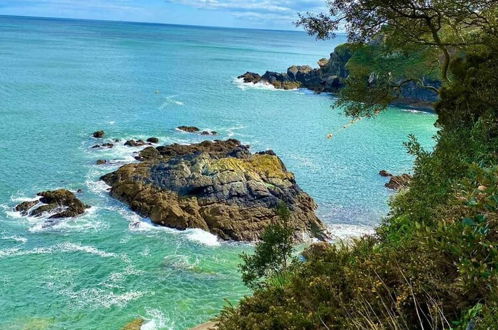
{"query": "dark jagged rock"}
(217, 186)
(193, 129)
(267, 152)
(98, 134)
(189, 129)
(153, 140)
(25, 206)
(61, 202)
(330, 76)
(137, 143)
(385, 173)
(250, 77)
(398, 182)
(209, 133)
(103, 146)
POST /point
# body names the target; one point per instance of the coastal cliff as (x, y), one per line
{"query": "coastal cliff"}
(218, 186)
(331, 76)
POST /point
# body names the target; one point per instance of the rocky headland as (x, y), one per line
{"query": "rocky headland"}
(330, 76)
(217, 186)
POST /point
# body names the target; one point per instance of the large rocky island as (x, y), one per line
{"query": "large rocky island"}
(217, 186)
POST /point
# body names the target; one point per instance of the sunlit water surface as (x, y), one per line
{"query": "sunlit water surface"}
(60, 80)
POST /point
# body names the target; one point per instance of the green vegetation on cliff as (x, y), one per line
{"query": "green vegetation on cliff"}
(432, 264)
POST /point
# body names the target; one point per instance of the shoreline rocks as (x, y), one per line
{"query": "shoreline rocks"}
(103, 146)
(194, 129)
(396, 182)
(61, 202)
(331, 75)
(217, 186)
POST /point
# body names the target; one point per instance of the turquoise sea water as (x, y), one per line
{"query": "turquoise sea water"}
(60, 80)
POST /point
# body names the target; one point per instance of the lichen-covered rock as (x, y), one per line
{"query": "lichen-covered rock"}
(217, 186)
(60, 203)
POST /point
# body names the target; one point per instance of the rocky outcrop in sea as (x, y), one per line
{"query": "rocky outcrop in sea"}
(217, 186)
(59, 203)
(330, 76)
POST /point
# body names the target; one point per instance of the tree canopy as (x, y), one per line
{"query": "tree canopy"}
(441, 29)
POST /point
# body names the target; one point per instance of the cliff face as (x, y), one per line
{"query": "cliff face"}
(330, 76)
(216, 186)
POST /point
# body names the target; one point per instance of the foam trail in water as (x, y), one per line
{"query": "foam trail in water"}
(239, 82)
(169, 100)
(155, 319)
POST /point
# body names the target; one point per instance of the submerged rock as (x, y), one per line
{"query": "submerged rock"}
(101, 162)
(61, 202)
(217, 186)
(153, 140)
(98, 134)
(398, 182)
(134, 325)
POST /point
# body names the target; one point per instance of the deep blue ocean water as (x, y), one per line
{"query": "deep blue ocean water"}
(60, 80)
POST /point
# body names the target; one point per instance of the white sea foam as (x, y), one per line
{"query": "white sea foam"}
(170, 100)
(413, 111)
(138, 223)
(347, 231)
(232, 131)
(66, 247)
(203, 237)
(85, 222)
(20, 198)
(155, 319)
(15, 238)
(239, 82)
(100, 297)
(117, 279)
